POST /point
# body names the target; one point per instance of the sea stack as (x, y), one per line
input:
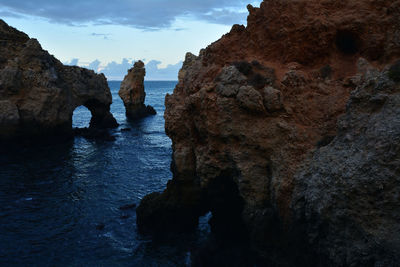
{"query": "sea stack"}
(38, 94)
(287, 131)
(132, 93)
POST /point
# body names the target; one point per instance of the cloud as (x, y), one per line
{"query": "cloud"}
(105, 36)
(6, 13)
(228, 17)
(73, 62)
(117, 71)
(153, 72)
(143, 14)
(94, 65)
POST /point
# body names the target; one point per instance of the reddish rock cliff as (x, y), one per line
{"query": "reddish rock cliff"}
(251, 108)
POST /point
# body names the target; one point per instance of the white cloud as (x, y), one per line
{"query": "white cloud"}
(94, 65)
(73, 62)
(117, 71)
(170, 72)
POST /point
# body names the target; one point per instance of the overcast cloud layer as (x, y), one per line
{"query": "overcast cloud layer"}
(143, 14)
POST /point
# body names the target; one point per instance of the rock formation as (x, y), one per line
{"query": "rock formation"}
(348, 191)
(132, 93)
(38, 94)
(256, 138)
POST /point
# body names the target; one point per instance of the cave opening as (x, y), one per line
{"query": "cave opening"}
(81, 117)
(226, 206)
(228, 243)
(347, 42)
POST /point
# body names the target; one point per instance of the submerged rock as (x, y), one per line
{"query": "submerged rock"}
(176, 210)
(253, 123)
(38, 94)
(132, 93)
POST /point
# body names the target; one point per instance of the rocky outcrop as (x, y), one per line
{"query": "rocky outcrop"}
(251, 109)
(132, 93)
(38, 94)
(348, 191)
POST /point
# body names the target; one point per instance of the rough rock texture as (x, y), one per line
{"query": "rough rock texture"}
(38, 94)
(132, 93)
(250, 109)
(348, 192)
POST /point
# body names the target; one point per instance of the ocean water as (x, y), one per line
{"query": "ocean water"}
(60, 204)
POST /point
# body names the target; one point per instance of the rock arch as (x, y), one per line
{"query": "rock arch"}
(38, 94)
(100, 113)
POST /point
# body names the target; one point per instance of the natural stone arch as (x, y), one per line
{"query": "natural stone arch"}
(39, 94)
(100, 113)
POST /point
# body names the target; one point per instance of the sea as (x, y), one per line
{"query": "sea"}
(70, 204)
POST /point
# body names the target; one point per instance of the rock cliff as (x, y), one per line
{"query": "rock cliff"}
(256, 138)
(348, 191)
(38, 94)
(132, 93)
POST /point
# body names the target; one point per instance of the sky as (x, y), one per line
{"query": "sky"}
(108, 36)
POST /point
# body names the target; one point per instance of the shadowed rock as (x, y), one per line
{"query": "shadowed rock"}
(132, 93)
(347, 191)
(177, 210)
(38, 94)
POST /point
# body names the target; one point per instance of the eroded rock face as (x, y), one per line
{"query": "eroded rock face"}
(38, 94)
(132, 93)
(253, 106)
(348, 191)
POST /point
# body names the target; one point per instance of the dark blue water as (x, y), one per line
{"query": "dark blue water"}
(54, 199)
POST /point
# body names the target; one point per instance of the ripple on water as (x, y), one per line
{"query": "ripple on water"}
(54, 197)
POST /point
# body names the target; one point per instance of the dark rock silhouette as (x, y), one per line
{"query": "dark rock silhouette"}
(38, 94)
(132, 93)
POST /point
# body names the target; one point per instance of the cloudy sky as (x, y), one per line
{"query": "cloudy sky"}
(108, 36)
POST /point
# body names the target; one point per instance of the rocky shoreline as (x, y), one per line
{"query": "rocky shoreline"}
(287, 131)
